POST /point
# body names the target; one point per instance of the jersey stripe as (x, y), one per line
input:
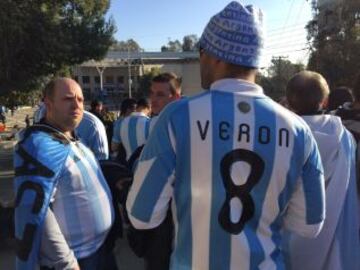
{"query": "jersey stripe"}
(124, 138)
(200, 124)
(265, 125)
(239, 244)
(222, 118)
(132, 130)
(281, 160)
(314, 203)
(182, 254)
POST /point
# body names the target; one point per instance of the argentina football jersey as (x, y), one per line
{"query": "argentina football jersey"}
(93, 134)
(52, 169)
(237, 167)
(132, 132)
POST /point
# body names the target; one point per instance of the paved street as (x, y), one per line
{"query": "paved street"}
(126, 260)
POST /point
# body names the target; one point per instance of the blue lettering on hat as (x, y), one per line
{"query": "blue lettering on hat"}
(218, 42)
(233, 35)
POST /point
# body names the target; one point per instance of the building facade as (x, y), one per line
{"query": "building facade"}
(118, 75)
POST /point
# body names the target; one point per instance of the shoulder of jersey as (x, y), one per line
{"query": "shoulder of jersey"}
(290, 115)
(179, 104)
(88, 117)
(45, 148)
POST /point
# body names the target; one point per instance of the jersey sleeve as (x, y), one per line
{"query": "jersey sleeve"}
(38, 161)
(151, 191)
(306, 210)
(99, 142)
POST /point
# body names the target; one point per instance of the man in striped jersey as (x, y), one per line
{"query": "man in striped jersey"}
(132, 131)
(337, 247)
(165, 88)
(63, 205)
(236, 166)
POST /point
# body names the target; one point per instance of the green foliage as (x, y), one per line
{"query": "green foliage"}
(124, 46)
(335, 36)
(42, 37)
(16, 98)
(172, 46)
(145, 81)
(279, 73)
(189, 43)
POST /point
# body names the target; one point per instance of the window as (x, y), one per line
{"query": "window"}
(109, 79)
(120, 79)
(97, 79)
(86, 79)
(87, 93)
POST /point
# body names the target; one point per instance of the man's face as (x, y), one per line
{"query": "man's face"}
(160, 96)
(99, 108)
(206, 70)
(65, 109)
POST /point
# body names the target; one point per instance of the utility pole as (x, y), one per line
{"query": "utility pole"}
(100, 70)
(129, 72)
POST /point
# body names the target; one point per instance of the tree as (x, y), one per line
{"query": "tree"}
(190, 43)
(279, 73)
(335, 36)
(129, 45)
(39, 38)
(145, 81)
(172, 46)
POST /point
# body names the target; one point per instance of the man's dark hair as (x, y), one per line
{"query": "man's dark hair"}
(143, 103)
(305, 91)
(171, 78)
(95, 103)
(339, 96)
(127, 103)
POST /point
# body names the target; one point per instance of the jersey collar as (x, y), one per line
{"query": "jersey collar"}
(237, 85)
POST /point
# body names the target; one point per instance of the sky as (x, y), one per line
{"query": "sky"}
(153, 23)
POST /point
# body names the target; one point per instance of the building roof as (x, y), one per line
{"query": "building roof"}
(118, 58)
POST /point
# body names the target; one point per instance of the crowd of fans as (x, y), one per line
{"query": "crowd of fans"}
(227, 179)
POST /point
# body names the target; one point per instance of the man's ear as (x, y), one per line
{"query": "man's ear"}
(177, 95)
(324, 104)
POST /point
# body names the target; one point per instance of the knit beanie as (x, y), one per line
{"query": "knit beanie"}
(235, 35)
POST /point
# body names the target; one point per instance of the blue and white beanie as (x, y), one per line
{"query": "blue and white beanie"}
(235, 35)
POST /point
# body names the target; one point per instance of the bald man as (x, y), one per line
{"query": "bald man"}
(63, 207)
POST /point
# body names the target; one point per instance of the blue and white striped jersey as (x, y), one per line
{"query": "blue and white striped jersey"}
(93, 134)
(82, 202)
(49, 166)
(238, 168)
(132, 132)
